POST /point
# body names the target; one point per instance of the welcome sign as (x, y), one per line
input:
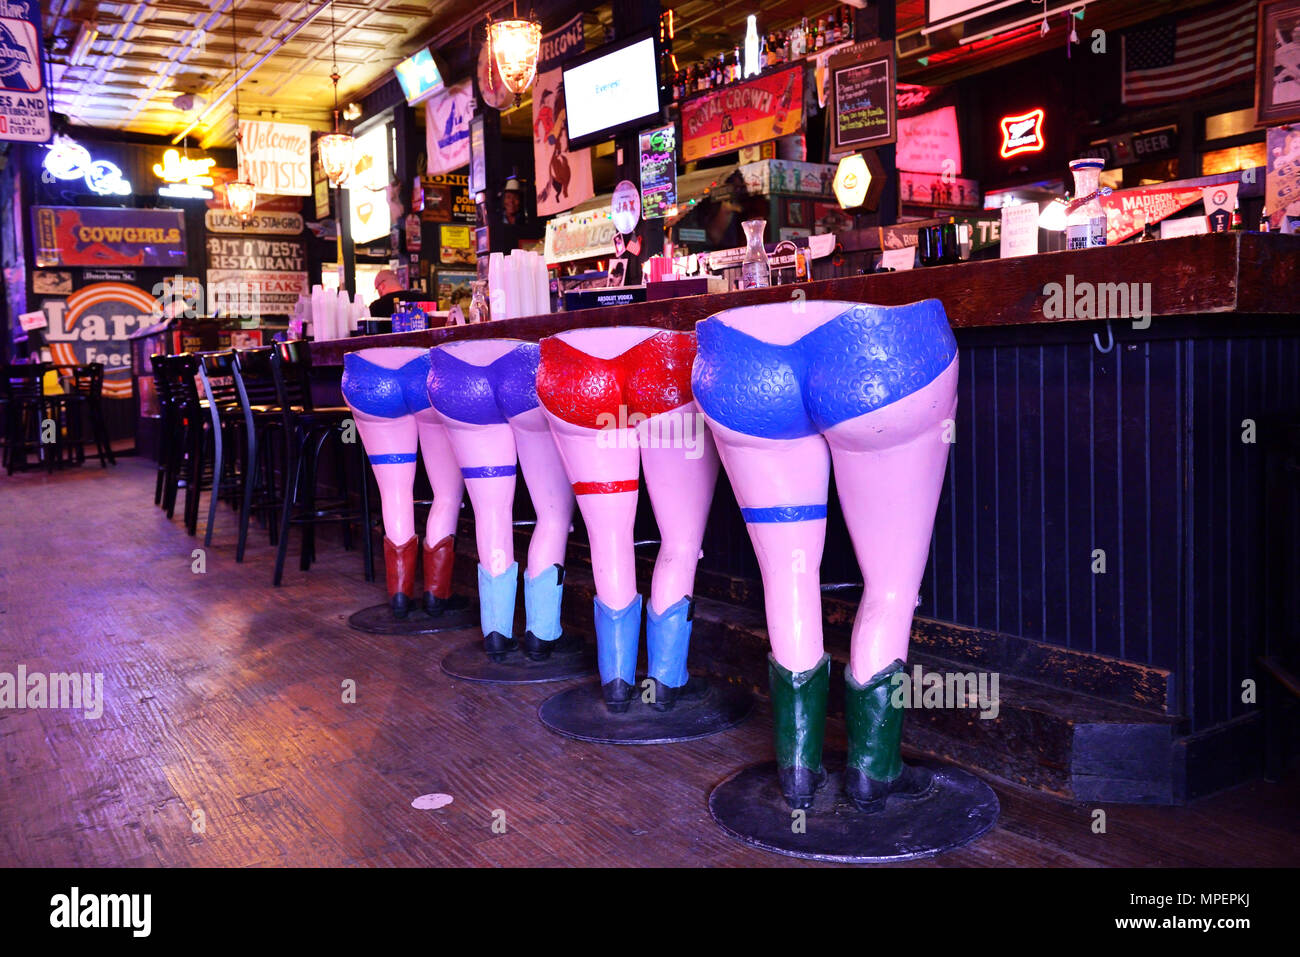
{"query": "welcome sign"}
(91, 236)
(276, 157)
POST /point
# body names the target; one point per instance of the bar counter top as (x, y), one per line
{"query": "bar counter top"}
(1222, 274)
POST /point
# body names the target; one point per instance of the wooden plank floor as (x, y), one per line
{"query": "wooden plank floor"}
(223, 696)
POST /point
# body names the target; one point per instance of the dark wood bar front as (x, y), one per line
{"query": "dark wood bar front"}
(1104, 540)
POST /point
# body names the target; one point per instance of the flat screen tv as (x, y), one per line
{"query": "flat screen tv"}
(612, 89)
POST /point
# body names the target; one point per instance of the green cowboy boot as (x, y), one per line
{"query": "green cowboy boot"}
(875, 768)
(799, 717)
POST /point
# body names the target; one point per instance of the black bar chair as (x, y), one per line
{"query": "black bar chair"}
(307, 429)
(260, 410)
(166, 425)
(26, 413)
(185, 462)
(88, 385)
(226, 421)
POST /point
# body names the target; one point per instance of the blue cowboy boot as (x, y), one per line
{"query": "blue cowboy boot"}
(496, 602)
(542, 596)
(618, 637)
(667, 640)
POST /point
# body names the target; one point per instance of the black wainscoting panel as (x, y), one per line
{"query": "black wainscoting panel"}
(1062, 449)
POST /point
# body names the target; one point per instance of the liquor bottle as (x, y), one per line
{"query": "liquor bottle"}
(819, 35)
(737, 66)
(800, 264)
(755, 271)
(833, 29)
(1085, 218)
(1236, 217)
(852, 22)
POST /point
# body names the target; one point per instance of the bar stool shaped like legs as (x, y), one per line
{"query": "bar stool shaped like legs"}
(387, 392)
(619, 402)
(871, 391)
(485, 392)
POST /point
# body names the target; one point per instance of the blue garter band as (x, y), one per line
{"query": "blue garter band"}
(488, 471)
(392, 458)
(784, 513)
(863, 359)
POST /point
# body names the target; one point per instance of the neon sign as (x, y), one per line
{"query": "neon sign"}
(852, 180)
(185, 178)
(1022, 133)
(67, 159)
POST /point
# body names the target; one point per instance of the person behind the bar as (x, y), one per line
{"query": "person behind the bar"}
(390, 293)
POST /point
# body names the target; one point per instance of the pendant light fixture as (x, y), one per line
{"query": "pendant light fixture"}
(515, 44)
(335, 149)
(241, 195)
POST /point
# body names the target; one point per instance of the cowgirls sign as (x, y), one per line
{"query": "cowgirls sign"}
(276, 157)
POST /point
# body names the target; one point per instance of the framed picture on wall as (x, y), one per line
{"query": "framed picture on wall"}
(1277, 58)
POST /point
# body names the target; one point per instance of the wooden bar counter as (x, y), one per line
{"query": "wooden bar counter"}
(1118, 535)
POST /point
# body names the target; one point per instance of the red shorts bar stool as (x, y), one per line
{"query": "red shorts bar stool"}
(619, 404)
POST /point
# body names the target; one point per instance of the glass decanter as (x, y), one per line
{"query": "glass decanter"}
(755, 272)
(1085, 218)
(478, 305)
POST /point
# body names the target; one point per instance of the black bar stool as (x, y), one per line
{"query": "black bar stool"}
(260, 410)
(166, 424)
(26, 412)
(226, 421)
(307, 429)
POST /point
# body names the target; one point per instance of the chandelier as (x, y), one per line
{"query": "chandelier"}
(241, 195)
(335, 149)
(514, 45)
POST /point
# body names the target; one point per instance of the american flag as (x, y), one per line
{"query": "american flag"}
(1173, 59)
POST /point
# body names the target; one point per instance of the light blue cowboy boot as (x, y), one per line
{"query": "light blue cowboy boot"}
(496, 602)
(542, 597)
(667, 640)
(618, 637)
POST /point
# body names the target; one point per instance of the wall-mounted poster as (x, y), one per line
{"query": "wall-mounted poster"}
(368, 185)
(51, 283)
(456, 245)
(764, 108)
(93, 325)
(261, 222)
(929, 142)
(477, 157)
(454, 287)
(446, 128)
(447, 199)
(105, 236)
(862, 97)
(563, 175)
(658, 148)
(24, 104)
(276, 157)
(935, 189)
(274, 271)
(1282, 174)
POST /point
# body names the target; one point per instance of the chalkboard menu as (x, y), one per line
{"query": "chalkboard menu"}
(658, 171)
(862, 90)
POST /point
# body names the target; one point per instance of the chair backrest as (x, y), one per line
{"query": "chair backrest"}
(161, 385)
(294, 364)
(26, 380)
(181, 373)
(254, 376)
(217, 371)
(88, 381)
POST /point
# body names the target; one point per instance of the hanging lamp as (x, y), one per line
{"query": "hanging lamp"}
(335, 149)
(515, 45)
(241, 195)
